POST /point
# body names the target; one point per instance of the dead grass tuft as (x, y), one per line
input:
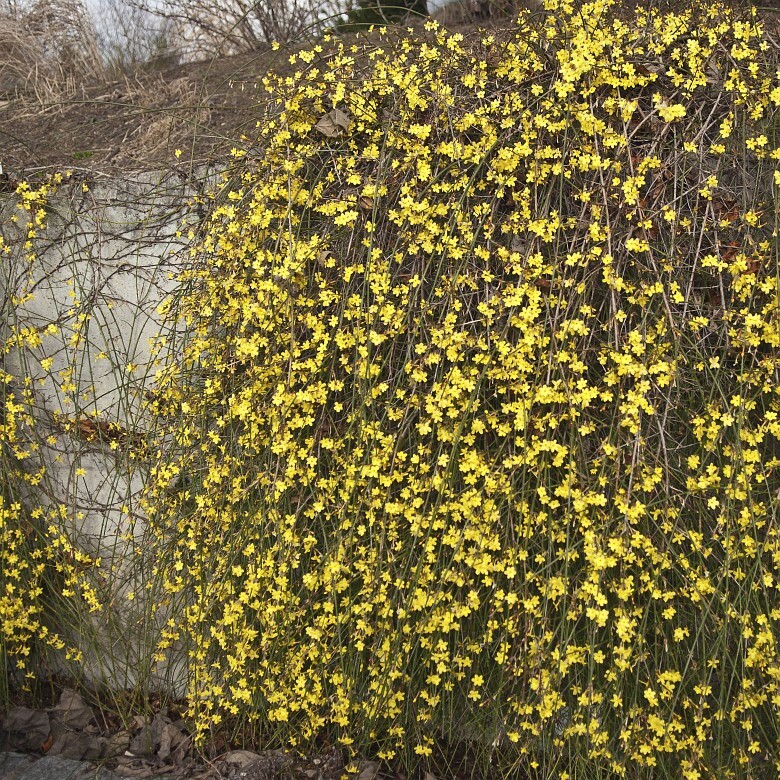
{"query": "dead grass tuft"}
(48, 49)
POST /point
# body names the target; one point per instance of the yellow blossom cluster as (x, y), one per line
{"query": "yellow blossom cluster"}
(473, 430)
(477, 422)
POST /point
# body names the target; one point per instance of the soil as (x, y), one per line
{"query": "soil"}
(136, 121)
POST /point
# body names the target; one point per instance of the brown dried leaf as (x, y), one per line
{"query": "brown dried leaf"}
(367, 770)
(181, 751)
(334, 123)
(76, 746)
(86, 429)
(160, 738)
(240, 757)
(145, 769)
(28, 729)
(324, 257)
(711, 71)
(115, 745)
(170, 739)
(71, 711)
(139, 721)
(654, 67)
(519, 244)
(726, 209)
(729, 251)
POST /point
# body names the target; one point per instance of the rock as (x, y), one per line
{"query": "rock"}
(12, 765)
(58, 768)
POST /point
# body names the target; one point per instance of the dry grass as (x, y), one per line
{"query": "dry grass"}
(47, 51)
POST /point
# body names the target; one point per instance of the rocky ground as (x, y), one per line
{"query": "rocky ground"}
(73, 741)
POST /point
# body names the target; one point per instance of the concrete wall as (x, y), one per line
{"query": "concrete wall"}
(99, 272)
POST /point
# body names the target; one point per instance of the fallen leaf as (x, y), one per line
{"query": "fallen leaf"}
(711, 70)
(146, 770)
(170, 739)
(726, 210)
(181, 750)
(165, 743)
(325, 257)
(139, 721)
(147, 740)
(647, 68)
(518, 244)
(76, 746)
(158, 737)
(115, 745)
(240, 757)
(729, 251)
(334, 123)
(71, 711)
(367, 770)
(28, 729)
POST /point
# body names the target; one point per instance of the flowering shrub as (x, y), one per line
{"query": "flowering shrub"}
(474, 433)
(479, 413)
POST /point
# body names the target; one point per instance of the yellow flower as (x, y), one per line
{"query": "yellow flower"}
(671, 113)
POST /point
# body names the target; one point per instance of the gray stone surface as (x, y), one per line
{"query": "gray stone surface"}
(14, 766)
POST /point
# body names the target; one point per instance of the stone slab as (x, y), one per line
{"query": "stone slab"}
(14, 766)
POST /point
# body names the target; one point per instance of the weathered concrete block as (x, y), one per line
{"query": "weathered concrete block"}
(91, 284)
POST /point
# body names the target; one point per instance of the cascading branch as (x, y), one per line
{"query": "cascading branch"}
(476, 427)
